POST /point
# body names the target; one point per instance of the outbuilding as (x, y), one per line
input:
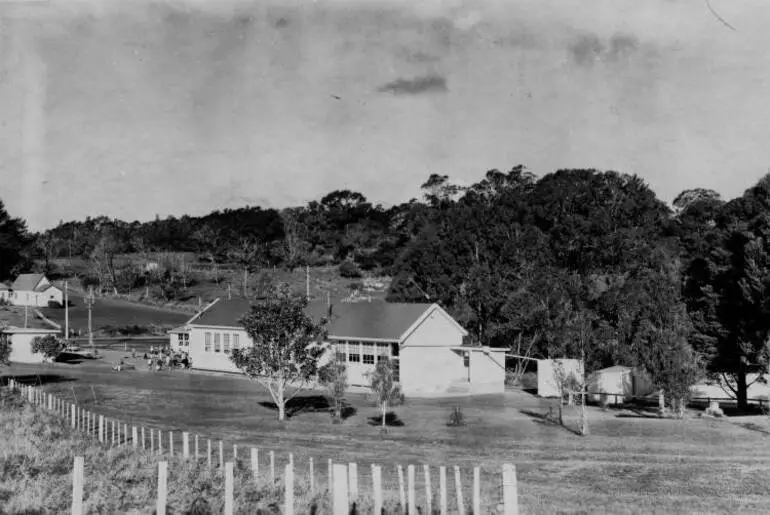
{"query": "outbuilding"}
(617, 383)
(422, 341)
(20, 340)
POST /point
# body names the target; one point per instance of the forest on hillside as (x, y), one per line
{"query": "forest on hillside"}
(574, 263)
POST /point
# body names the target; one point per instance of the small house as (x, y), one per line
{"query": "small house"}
(35, 290)
(617, 383)
(20, 339)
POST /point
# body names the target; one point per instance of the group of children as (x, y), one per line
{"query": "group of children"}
(162, 357)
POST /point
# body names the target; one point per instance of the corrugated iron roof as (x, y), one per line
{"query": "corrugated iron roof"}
(27, 282)
(375, 320)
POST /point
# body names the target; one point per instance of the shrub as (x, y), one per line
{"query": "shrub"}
(456, 417)
(349, 270)
(55, 305)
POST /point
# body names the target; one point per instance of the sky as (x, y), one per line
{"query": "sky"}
(133, 109)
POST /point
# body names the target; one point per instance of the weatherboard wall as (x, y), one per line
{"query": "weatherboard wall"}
(21, 348)
(203, 359)
(487, 370)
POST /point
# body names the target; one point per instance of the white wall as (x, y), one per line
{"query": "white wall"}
(430, 369)
(21, 348)
(427, 364)
(217, 361)
(487, 372)
(547, 385)
(37, 299)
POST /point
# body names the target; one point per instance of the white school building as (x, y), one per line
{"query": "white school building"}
(422, 341)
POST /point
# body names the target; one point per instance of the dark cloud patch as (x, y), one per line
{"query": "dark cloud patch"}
(423, 57)
(282, 22)
(622, 46)
(416, 86)
(586, 49)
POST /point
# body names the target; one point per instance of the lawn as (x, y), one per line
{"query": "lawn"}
(628, 464)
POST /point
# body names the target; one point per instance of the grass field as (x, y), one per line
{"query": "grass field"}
(630, 463)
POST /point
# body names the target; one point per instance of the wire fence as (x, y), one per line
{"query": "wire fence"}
(169, 458)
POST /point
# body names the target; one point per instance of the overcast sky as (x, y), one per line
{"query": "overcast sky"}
(137, 108)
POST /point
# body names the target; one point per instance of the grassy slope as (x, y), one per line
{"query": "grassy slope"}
(627, 465)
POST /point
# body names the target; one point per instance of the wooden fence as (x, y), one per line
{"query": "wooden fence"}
(343, 478)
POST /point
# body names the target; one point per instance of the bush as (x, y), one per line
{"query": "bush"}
(456, 418)
(55, 305)
(349, 270)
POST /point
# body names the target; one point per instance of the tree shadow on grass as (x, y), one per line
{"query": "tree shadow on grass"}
(309, 404)
(37, 379)
(548, 419)
(70, 358)
(391, 420)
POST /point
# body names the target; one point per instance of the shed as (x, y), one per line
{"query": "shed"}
(20, 339)
(549, 370)
(617, 383)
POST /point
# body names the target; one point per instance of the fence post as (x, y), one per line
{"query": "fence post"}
(229, 488)
(77, 487)
(272, 466)
(476, 490)
(101, 428)
(160, 442)
(221, 454)
(329, 465)
(442, 490)
(171, 443)
(401, 490)
(289, 483)
(144, 445)
(73, 411)
(312, 477)
(152, 441)
(340, 498)
(209, 453)
(459, 491)
(197, 454)
(255, 463)
(186, 444)
(510, 495)
(353, 482)
(134, 437)
(235, 453)
(411, 508)
(160, 506)
(377, 484)
(428, 498)
(125, 434)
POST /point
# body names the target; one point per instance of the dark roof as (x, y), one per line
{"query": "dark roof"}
(372, 320)
(27, 282)
(377, 319)
(224, 312)
(4, 286)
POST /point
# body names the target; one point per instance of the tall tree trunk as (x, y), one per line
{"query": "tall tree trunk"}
(742, 388)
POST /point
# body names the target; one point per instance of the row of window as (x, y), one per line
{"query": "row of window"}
(221, 342)
(364, 352)
(183, 340)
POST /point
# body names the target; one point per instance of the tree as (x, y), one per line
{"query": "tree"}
(5, 345)
(49, 346)
(13, 241)
(386, 390)
(286, 346)
(334, 376)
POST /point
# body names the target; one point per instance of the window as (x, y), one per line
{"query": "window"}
(467, 359)
(226, 345)
(340, 354)
(236, 343)
(186, 340)
(394, 350)
(396, 372)
(381, 358)
(207, 347)
(368, 354)
(217, 346)
(354, 352)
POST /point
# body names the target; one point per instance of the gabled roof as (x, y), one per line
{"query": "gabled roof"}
(27, 282)
(4, 286)
(376, 320)
(616, 368)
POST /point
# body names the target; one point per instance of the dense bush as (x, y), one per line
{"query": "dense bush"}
(349, 270)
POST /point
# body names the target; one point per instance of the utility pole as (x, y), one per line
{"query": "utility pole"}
(90, 303)
(26, 311)
(66, 312)
(307, 282)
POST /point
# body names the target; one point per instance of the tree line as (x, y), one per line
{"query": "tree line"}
(574, 263)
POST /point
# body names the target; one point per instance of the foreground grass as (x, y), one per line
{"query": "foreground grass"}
(628, 464)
